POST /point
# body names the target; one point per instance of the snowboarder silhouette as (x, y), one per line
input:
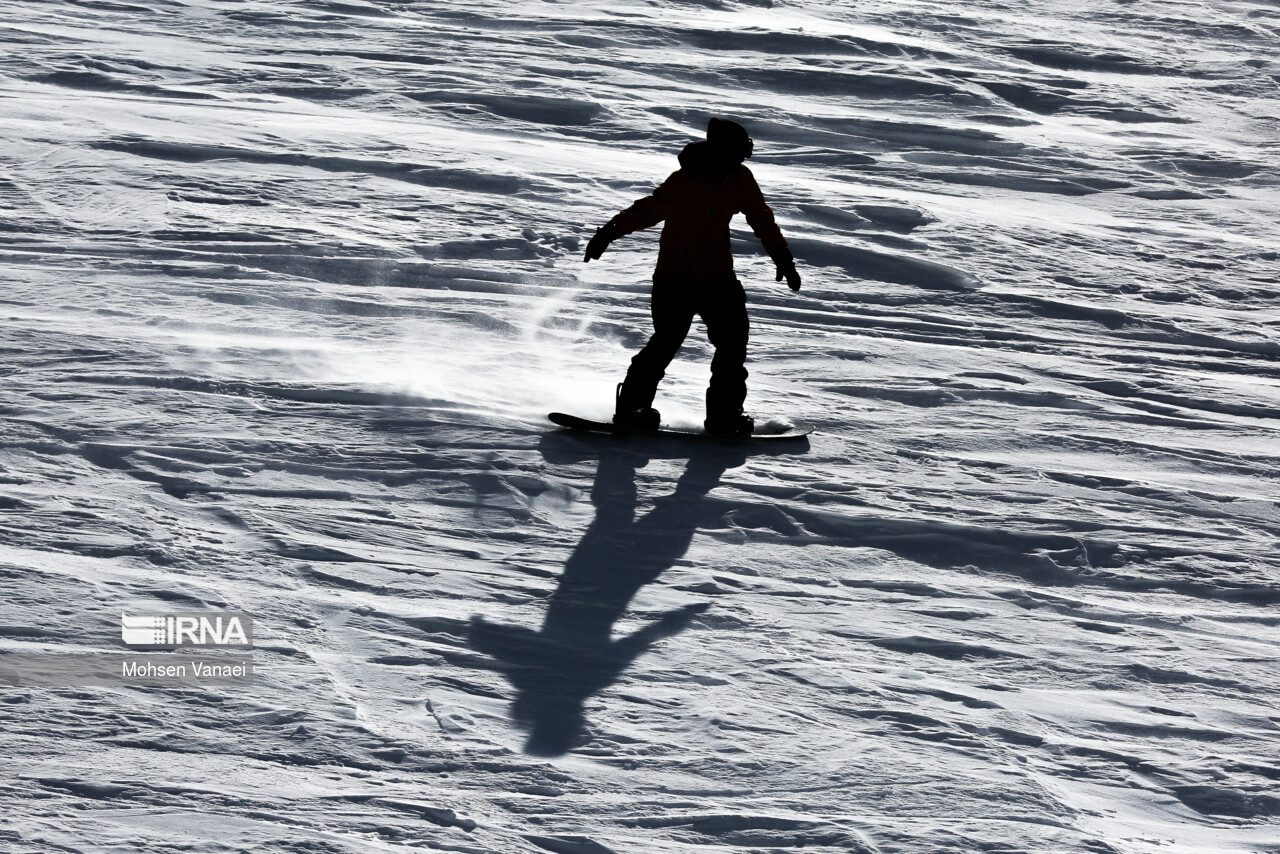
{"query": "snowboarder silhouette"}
(694, 274)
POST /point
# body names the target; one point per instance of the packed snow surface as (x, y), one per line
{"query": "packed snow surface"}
(287, 289)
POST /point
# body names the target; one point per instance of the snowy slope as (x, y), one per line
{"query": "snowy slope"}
(288, 287)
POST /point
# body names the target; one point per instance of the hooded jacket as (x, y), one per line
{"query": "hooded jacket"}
(696, 204)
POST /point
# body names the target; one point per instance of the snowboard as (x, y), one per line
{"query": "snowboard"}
(573, 422)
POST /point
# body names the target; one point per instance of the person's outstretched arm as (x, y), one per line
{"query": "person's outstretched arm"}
(760, 217)
(642, 214)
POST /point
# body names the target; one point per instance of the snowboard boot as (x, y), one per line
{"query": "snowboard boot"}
(729, 424)
(627, 414)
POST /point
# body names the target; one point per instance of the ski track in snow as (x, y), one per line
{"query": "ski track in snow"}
(286, 289)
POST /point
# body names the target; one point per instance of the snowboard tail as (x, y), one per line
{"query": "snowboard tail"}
(573, 422)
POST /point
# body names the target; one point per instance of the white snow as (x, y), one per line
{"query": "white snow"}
(287, 289)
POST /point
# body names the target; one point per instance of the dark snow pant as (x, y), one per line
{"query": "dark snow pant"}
(722, 305)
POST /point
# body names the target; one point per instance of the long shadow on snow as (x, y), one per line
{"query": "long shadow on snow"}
(574, 655)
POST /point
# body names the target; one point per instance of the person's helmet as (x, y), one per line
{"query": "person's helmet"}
(730, 138)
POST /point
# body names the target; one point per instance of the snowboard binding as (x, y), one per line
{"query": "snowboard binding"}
(628, 414)
(730, 424)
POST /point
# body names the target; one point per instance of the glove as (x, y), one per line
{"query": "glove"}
(788, 269)
(605, 235)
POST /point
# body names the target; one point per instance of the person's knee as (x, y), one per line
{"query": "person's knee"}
(730, 347)
(665, 344)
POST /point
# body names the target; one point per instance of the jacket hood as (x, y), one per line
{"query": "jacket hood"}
(704, 160)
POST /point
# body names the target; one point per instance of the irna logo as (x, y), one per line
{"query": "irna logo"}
(213, 629)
